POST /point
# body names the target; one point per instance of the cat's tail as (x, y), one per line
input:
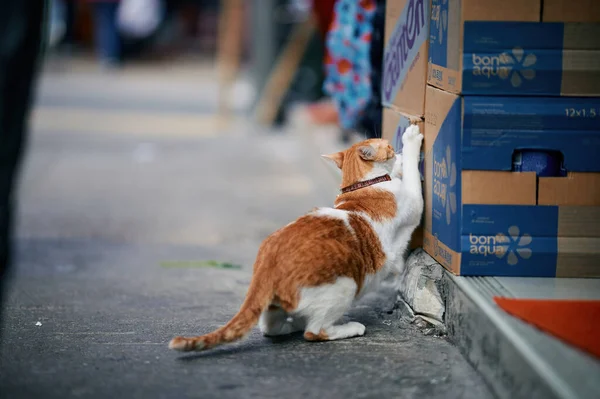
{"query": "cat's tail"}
(260, 294)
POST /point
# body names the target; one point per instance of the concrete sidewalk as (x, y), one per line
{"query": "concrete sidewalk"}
(104, 213)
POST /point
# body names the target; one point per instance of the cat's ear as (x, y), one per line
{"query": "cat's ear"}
(367, 152)
(338, 158)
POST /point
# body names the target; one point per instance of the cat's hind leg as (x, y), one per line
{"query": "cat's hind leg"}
(323, 306)
(276, 321)
(331, 333)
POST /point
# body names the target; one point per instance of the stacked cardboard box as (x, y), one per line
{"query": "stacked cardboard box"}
(507, 78)
(503, 78)
(405, 72)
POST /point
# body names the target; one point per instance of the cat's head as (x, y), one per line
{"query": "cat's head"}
(364, 160)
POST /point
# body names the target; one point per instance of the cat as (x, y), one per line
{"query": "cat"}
(308, 274)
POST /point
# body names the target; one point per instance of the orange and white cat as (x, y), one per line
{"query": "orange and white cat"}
(308, 274)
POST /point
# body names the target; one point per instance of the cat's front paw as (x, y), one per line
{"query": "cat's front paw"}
(412, 136)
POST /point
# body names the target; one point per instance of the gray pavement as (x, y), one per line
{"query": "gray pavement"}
(104, 212)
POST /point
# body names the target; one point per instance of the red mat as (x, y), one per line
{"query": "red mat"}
(573, 321)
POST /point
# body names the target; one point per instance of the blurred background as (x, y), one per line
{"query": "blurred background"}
(262, 60)
(133, 96)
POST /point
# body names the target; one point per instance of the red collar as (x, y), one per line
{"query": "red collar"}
(366, 183)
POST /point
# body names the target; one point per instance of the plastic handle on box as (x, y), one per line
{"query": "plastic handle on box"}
(543, 162)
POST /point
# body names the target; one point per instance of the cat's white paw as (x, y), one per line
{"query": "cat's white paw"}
(342, 331)
(355, 328)
(412, 136)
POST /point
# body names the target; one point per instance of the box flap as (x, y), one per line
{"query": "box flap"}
(571, 11)
(499, 188)
(506, 10)
(575, 189)
(581, 71)
(578, 257)
(578, 221)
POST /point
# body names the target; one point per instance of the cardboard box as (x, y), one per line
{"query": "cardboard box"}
(405, 55)
(416, 240)
(394, 125)
(571, 11)
(483, 219)
(490, 47)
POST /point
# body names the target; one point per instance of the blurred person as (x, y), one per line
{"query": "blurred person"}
(58, 22)
(21, 31)
(108, 40)
(70, 11)
(323, 111)
(139, 24)
(352, 32)
(354, 54)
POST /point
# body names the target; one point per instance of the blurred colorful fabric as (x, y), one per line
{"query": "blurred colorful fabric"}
(347, 62)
